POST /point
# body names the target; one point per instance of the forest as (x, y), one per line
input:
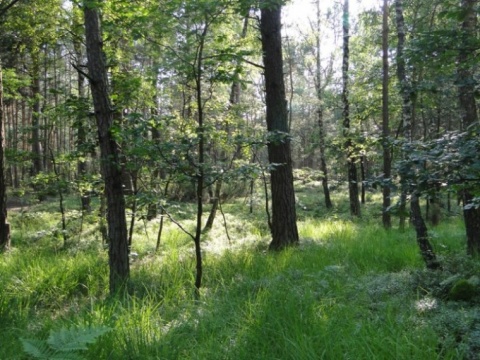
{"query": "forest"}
(272, 179)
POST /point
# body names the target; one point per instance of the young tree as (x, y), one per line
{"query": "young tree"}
(386, 218)
(468, 109)
(109, 150)
(284, 225)
(426, 248)
(349, 146)
(4, 225)
(320, 110)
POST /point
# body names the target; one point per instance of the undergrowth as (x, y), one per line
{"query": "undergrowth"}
(351, 290)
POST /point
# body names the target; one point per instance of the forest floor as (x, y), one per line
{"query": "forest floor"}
(351, 290)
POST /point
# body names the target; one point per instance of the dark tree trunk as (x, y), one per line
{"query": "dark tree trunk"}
(468, 108)
(407, 107)
(386, 218)
(109, 151)
(349, 146)
(426, 249)
(4, 225)
(421, 230)
(284, 225)
(320, 120)
(81, 128)
(36, 144)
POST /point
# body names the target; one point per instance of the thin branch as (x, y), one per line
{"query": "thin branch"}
(176, 222)
(81, 72)
(4, 10)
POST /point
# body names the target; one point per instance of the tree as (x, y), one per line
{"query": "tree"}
(320, 111)
(109, 150)
(407, 173)
(468, 109)
(349, 145)
(284, 225)
(4, 225)
(387, 163)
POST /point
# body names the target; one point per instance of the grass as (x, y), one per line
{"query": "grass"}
(351, 290)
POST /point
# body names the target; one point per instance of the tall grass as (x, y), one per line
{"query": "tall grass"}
(350, 291)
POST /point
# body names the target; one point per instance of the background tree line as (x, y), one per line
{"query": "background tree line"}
(185, 101)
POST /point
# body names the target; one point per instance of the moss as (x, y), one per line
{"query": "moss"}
(462, 290)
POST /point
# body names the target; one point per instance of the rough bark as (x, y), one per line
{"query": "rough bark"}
(386, 218)
(468, 109)
(284, 225)
(405, 92)
(109, 151)
(426, 249)
(4, 225)
(81, 129)
(320, 120)
(421, 230)
(36, 109)
(349, 146)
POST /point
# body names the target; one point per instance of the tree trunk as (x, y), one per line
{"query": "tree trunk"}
(468, 108)
(284, 225)
(426, 249)
(349, 146)
(421, 230)
(109, 151)
(81, 128)
(320, 120)
(386, 218)
(4, 225)
(36, 144)
(407, 108)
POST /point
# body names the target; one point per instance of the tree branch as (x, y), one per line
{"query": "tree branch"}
(4, 10)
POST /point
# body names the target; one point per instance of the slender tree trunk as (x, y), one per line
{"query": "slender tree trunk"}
(319, 112)
(468, 108)
(109, 151)
(284, 218)
(407, 108)
(421, 230)
(4, 225)
(386, 218)
(81, 128)
(235, 92)
(426, 249)
(349, 146)
(36, 144)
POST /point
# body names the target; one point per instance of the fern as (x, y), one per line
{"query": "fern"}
(64, 344)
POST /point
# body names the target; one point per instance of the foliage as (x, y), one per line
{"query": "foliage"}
(64, 343)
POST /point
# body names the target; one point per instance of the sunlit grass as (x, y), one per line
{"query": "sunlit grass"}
(350, 290)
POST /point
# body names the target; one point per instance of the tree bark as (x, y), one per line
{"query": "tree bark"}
(109, 151)
(4, 225)
(426, 249)
(387, 163)
(284, 225)
(421, 230)
(81, 128)
(468, 109)
(319, 112)
(352, 175)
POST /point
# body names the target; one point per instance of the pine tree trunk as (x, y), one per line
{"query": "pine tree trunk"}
(109, 151)
(468, 108)
(284, 225)
(36, 144)
(351, 157)
(319, 112)
(81, 129)
(426, 249)
(421, 230)
(386, 218)
(4, 225)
